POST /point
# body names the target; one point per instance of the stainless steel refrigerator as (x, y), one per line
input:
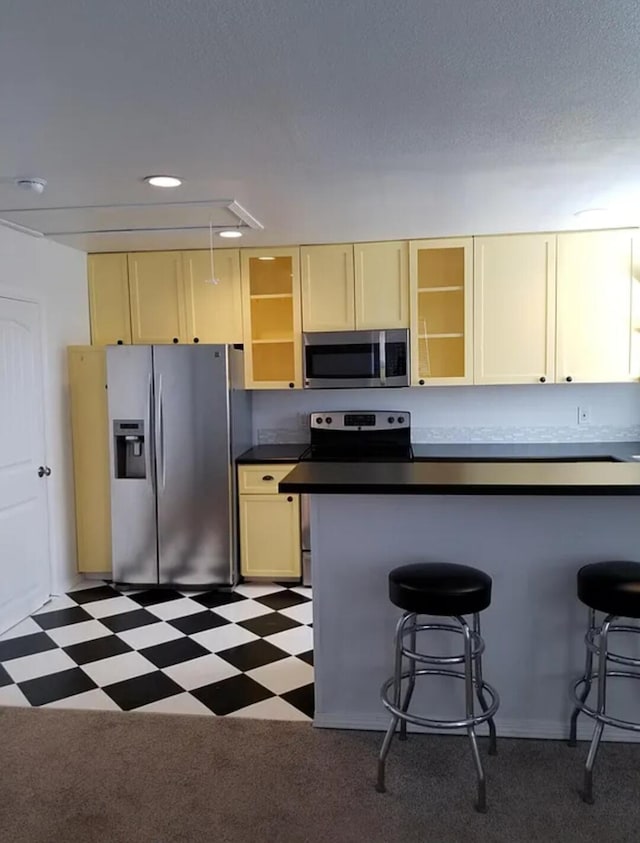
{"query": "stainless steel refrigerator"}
(177, 421)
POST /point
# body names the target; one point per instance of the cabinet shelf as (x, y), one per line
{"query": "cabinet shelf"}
(440, 336)
(279, 340)
(271, 296)
(454, 289)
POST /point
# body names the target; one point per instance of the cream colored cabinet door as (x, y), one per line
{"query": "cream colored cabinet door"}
(271, 318)
(270, 536)
(328, 296)
(157, 298)
(382, 285)
(91, 464)
(514, 309)
(213, 304)
(598, 300)
(109, 299)
(441, 307)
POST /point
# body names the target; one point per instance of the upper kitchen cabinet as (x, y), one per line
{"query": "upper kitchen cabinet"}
(109, 299)
(328, 296)
(157, 298)
(440, 278)
(514, 309)
(598, 302)
(271, 317)
(381, 285)
(213, 296)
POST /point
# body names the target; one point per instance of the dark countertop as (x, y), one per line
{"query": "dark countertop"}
(271, 454)
(464, 478)
(524, 451)
(480, 452)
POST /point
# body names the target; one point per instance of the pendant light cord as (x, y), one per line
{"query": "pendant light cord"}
(213, 277)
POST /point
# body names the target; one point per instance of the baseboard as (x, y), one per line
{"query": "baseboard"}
(541, 729)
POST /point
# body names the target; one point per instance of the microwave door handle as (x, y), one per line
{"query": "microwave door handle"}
(383, 357)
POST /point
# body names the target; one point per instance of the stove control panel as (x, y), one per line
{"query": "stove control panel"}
(362, 420)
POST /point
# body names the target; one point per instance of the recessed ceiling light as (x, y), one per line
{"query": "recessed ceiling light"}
(591, 213)
(163, 181)
(266, 258)
(230, 232)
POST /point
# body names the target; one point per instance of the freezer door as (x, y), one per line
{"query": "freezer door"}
(193, 465)
(133, 500)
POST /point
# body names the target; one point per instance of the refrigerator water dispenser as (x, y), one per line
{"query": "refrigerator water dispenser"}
(129, 450)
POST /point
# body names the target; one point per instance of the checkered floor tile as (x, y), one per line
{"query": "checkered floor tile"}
(246, 653)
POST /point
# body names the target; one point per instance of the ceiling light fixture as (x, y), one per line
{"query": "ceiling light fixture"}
(35, 185)
(163, 181)
(590, 213)
(231, 232)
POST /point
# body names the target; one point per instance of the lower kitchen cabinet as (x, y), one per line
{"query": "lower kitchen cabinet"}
(269, 524)
(90, 434)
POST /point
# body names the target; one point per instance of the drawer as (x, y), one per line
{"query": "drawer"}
(262, 479)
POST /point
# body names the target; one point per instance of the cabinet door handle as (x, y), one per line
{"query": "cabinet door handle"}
(568, 379)
(543, 379)
(290, 499)
(267, 477)
(421, 382)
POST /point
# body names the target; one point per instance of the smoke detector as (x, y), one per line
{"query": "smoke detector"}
(32, 185)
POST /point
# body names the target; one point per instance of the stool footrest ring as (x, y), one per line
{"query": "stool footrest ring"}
(604, 718)
(464, 723)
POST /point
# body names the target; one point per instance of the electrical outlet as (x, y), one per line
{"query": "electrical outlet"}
(584, 415)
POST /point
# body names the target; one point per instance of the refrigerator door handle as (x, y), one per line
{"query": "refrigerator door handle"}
(151, 434)
(161, 454)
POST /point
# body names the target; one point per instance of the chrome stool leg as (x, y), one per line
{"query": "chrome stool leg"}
(397, 689)
(493, 742)
(481, 804)
(412, 678)
(587, 793)
(475, 685)
(588, 671)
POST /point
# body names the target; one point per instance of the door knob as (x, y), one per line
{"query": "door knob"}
(47, 471)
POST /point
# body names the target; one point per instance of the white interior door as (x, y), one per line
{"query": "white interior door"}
(24, 528)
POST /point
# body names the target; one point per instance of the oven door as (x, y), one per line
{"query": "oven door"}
(337, 359)
(356, 359)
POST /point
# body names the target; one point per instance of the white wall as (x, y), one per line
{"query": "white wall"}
(534, 413)
(56, 276)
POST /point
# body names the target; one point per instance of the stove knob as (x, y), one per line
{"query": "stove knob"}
(319, 419)
(329, 419)
(391, 419)
(400, 419)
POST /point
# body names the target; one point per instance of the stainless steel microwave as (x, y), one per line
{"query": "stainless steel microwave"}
(356, 359)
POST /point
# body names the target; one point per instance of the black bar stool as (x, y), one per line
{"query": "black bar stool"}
(612, 588)
(444, 590)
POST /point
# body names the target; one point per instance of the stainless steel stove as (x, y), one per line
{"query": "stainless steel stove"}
(360, 436)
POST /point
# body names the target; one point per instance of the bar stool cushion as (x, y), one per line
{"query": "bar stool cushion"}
(439, 588)
(611, 587)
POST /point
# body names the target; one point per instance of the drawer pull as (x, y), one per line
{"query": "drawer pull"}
(267, 477)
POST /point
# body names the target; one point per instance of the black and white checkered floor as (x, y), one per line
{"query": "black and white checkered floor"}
(246, 653)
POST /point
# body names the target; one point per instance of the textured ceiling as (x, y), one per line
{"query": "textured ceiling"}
(327, 119)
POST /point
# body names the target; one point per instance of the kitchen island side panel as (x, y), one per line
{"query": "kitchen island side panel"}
(531, 546)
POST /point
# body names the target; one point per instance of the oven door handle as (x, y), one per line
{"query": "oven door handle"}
(382, 352)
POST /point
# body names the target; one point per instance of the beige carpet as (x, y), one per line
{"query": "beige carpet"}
(80, 777)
